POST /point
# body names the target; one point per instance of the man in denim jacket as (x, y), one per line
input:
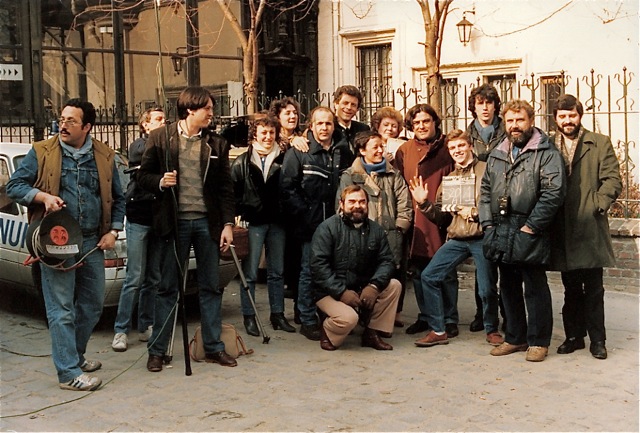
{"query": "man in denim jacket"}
(74, 172)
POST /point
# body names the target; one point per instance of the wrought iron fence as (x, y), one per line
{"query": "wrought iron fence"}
(610, 109)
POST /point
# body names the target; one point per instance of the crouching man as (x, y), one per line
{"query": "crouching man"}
(351, 268)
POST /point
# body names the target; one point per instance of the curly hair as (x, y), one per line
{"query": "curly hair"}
(488, 93)
(386, 113)
(278, 105)
(420, 108)
(263, 118)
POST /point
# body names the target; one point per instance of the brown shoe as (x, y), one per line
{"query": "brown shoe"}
(536, 353)
(507, 349)
(370, 338)
(222, 358)
(154, 363)
(494, 338)
(432, 339)
(325, 343)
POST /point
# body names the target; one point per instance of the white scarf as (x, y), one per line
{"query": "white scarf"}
(256, 157)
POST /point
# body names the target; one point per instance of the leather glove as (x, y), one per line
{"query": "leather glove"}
(350, 298)
(368, 296)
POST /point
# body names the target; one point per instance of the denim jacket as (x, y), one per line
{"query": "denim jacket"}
(79, 188)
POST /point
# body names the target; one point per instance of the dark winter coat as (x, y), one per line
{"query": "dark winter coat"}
(345, 257)
(139, 200)
(535, 187)
(308, 185)
(257, 201)
(581, 237)
(217, 187)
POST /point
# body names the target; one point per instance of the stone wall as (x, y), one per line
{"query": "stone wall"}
(625, 236)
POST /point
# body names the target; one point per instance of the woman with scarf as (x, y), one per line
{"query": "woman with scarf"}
(256, 175)
(389, 198)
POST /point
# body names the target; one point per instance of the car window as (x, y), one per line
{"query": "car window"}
(7, 205)
(122, 164)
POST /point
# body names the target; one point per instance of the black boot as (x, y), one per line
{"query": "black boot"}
(278, 321)
(251, 326)
(478, 323)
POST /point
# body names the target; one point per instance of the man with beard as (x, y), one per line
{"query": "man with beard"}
(522, 188)
(352, 265)
(582, 244)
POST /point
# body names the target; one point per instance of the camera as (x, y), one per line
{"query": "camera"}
(503, 205)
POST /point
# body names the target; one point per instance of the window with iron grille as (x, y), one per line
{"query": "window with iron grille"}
(505, 84)
(449, 104)
(551, 89)
(374, 79)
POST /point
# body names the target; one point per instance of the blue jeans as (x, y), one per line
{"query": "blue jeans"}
(196, 233)
(306, 295)
(74, 301)
(449, 293)
(533, 325)
(272, 236)
(143, 275)
(445, 261)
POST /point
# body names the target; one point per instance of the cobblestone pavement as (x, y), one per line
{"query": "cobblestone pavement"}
(290, 384)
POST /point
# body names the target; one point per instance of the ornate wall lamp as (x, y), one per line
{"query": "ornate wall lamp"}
(464, 28)
(177, 59)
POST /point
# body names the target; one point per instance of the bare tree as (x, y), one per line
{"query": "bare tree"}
(249, 36)
(433, 32)
(249, 44)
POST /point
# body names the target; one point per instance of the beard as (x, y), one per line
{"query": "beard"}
(521, 140)
(570, 130)
(356, 216)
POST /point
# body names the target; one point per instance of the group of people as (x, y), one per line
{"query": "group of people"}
(344, 213)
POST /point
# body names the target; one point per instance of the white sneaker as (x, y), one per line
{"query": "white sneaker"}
(84, 382)
(146, 335)
(119, 343)
(89, 366)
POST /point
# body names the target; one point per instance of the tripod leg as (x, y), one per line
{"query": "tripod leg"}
(183, 315)
(245, 286)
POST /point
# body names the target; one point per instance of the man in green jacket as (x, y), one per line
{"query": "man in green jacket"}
(582, 244)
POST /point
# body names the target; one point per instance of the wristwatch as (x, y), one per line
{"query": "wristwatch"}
(115, 233)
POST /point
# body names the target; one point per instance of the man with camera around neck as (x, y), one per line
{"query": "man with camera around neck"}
(522, 189)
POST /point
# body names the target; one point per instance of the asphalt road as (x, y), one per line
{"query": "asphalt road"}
(290, 384)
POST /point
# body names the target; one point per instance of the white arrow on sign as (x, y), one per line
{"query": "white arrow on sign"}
(10, 72)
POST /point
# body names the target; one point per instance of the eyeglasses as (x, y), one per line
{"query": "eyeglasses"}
(69, 122)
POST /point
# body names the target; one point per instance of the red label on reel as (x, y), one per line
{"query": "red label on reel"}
(59, 235)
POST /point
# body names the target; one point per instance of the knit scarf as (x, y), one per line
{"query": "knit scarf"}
(486, 132)
(568, 153)
(379, 168)
(258, 152)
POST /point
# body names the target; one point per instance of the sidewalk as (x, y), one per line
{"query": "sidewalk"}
(290, 384)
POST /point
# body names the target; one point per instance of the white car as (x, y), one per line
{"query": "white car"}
(13, 248)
